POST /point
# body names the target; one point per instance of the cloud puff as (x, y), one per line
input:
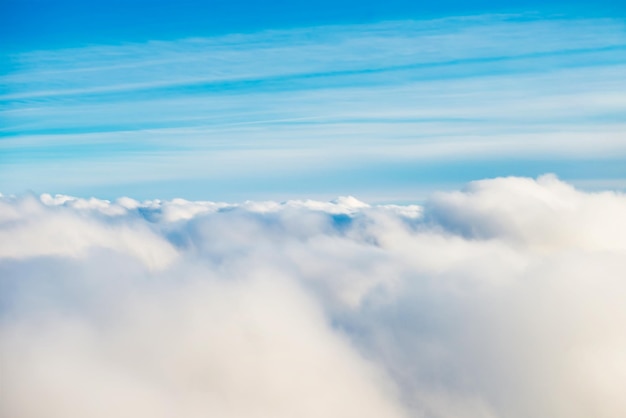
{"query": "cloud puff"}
(504, 299)
(32, 229)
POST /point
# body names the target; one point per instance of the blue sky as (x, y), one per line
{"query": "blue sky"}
(248, 100)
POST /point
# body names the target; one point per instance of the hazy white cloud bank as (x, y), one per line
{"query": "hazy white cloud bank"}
(505, 299)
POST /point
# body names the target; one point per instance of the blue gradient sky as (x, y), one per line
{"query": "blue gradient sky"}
(248, 100)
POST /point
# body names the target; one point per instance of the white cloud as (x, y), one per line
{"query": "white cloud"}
(34, 229)
(546, 214)
(504, 299)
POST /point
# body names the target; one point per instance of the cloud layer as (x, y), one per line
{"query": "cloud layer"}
(503, 299)
(355, 108)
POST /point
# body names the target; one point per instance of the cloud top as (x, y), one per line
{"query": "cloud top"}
(503, 299)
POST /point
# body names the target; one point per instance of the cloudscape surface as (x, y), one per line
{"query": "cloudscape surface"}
(504, 299)
(346, 209)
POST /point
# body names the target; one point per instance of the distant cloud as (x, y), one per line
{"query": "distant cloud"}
(503, 299)
(299, 108)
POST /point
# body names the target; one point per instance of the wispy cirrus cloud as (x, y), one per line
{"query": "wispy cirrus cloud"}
(396, 93)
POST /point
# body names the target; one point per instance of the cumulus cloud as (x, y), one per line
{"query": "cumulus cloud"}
(503, 299)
